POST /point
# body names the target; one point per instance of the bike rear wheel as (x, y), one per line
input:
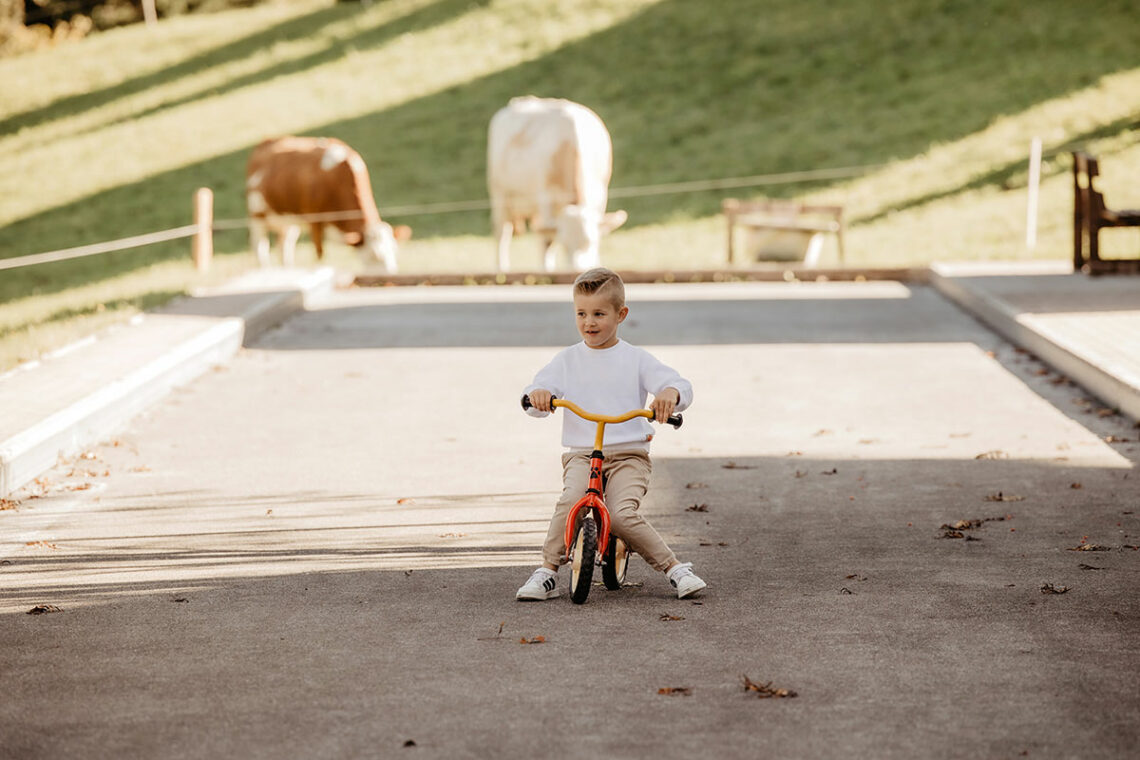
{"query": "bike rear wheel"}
(614, 563)
(582, 559)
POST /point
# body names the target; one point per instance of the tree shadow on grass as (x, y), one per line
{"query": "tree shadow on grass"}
(334, 50)
(753, 89)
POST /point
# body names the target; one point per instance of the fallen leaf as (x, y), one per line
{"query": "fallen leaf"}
(1106, 413)
(410, 743)
(1116, 439)
(999, 496)
(41, 545)
(535, 640)
(765, 690)
(735, 466)
(1083, 566)
(1088, 548)
(995, 454)
(1049, 588)
(832, 471)
(666, 617)
(697, 508)
(43, 609)
(822, 431)
(695, 485)
(1076, 486)
(675, 691)
(405, 501)
(87, 455)
(8, 504)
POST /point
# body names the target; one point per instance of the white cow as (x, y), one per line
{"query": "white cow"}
(549, 163)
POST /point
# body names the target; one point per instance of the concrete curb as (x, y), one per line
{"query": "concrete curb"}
(1007, 322)
(26, 455)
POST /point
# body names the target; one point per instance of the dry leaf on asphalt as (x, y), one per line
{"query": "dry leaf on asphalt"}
(1000, 496)
(697, 508)
(765, 690)
(1076, 486)
(665, 617)
(735, 466)
(675, 691)
(535, 640)
(1088, 548)
(1083, 566)
(43, 609)
(1049, 588)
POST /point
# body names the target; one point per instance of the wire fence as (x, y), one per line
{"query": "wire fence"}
(422, 209)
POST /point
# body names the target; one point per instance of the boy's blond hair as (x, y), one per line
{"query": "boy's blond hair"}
(598, 279)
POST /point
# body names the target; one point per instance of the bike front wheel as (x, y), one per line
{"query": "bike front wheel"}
(582, 559)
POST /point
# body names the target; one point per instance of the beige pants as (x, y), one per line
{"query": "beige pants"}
(627, 474)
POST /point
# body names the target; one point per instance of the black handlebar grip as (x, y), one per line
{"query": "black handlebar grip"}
(526, 401)
(676, 421)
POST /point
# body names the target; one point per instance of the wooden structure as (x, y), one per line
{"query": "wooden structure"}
(783, 216)
(1090, 216)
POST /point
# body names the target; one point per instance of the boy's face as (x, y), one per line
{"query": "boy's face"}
(598, 318)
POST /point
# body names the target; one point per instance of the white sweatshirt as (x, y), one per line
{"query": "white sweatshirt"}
(608, 381)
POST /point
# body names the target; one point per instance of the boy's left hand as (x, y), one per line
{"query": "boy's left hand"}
(664, 403)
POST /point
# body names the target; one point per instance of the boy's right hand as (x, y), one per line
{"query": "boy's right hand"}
(540, 400)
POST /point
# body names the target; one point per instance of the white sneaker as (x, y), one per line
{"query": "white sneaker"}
(685, 580)
(539, 587)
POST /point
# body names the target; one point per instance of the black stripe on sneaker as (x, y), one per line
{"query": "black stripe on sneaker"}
(548, 584)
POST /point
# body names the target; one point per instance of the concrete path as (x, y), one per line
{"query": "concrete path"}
(312, 550)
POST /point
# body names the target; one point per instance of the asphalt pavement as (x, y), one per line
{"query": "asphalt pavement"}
(924, 531)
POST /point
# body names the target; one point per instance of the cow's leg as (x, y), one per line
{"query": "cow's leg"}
(317, 232)
(506, 232)
(289, 244)
(259, 240)
(549, 253)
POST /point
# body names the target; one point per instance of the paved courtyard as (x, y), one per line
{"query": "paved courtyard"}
(312, 551)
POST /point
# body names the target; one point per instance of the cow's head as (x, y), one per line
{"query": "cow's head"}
(380, 241)
(580, 229)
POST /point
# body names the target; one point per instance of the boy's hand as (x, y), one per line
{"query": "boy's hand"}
(663, 404)
(540, 400)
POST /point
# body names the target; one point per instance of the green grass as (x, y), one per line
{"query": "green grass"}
(109, 137)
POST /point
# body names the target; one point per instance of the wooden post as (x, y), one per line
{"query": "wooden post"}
(202, 247)
(150, 15)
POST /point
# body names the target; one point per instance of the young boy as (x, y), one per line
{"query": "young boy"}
(605, 375)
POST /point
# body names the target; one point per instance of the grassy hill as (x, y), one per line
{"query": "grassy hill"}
(935, 100)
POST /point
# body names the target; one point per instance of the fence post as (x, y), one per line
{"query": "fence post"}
(202, 247)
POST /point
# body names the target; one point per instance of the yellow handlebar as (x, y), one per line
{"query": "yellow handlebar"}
(601, 418)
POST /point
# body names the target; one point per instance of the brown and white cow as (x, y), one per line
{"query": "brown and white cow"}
(319, 181)
(548, 164)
